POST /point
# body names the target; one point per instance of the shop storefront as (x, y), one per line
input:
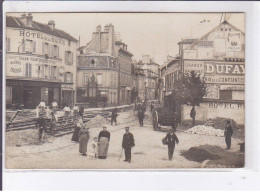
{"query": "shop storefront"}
(29, 94)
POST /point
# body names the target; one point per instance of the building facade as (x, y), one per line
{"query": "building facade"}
(151, 71)
(40, 63)
(106, 58)
(218, 57)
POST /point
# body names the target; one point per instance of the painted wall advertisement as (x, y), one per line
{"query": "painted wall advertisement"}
(233, 41)
(225, 73)
(196, 66)
(15, 64)
(212, 91)
(189, 54)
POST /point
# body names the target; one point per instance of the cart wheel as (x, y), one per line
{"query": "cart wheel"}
(155, 120)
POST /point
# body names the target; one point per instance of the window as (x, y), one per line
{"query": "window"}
(53, 72)
(28, 70)
(68, 57)
(46, 71)
(29, 46)
(68, 77)
(8, 45)
(55, 51)
(99, 79)
(85, 78)
(45, 49)
(225, 94)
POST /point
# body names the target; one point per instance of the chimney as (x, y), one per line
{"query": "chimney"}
(27, 19)
(99, 28)
(98, 38)
(111, 38)
(51, 24)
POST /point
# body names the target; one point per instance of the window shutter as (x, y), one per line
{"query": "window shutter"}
(23, 46)
(43, 48)
(8, 44)
(71, 78)
(34, 46)
(58, 51)
(65, 57)
(71, 57)
(26, 69)
(30, 70)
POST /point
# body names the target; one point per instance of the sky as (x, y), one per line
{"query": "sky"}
(154, 34)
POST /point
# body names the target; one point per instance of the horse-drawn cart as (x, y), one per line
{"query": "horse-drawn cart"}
(163, 116)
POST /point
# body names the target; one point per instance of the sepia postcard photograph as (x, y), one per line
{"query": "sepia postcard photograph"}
(124, 90)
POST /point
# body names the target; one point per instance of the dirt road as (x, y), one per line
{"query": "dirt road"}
(149, 153)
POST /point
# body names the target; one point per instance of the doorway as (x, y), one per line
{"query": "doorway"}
(28, 98)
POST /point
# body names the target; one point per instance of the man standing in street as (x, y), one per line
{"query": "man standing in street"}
(114, 116)
(171, 138)
(128, 143)
(228, 133)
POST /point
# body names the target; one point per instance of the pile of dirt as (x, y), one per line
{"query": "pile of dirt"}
(97, 121)
(205, 130)
(22, 138)
(199, 155)
(220, 123)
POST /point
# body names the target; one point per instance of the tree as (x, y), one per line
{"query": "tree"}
(190, 89)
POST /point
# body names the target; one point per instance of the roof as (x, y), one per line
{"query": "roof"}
(16, 22)
(224, 22)
(96, 54)
(187, 41)
(126, 51)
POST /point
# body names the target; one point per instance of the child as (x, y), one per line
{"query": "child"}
(93, 152)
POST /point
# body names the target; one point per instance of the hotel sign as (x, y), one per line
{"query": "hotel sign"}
(39, 35)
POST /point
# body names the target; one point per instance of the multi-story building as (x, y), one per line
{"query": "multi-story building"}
(218, 57)
(151, 71)
(40, 63)
(104, 57)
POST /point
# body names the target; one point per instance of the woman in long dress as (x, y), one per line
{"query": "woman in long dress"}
(83, 140)
(79, 125)
(103, 139)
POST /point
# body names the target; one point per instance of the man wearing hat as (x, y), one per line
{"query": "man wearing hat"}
(228, 133)
(128, 143)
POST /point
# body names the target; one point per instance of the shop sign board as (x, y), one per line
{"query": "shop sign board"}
(234, 41)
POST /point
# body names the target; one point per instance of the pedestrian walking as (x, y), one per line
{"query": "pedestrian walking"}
(103, 139)
(128, 143)
(228, 133)
(152, 106)
(83, 140)
(42, 113)
(78, 126)
(114, 116)
(170, 140)
(140, 115)
(81, 111)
